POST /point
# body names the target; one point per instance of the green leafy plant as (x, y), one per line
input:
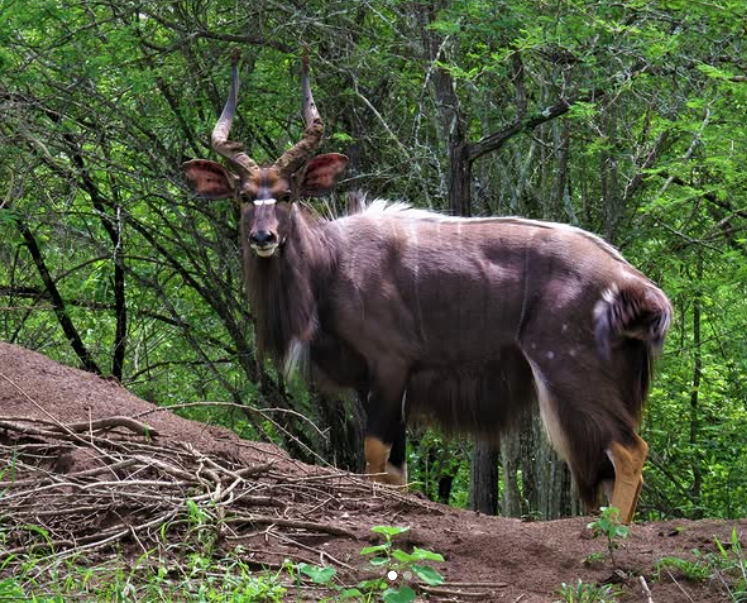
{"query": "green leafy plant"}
(593, 559)
(608, 525)
(583, 592)
(697, 570)
(726, 568)
(731, 569)
(394, 565)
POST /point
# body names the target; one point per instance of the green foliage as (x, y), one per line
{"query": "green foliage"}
(390, 563)
(396, 564)
(731, 568)
(152, 579)
(583, 592)
(319, 575)
(726, 569)
(593, 559)
(608, 525)
(694, 570)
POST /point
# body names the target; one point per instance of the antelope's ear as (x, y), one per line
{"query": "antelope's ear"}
(209, 178)
(321, 173)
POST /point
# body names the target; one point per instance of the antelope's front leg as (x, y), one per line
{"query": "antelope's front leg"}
(627, 461)
(386, 439)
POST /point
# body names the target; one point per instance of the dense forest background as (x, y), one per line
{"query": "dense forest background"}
(624, 118)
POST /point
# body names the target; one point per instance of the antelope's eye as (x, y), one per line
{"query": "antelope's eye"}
(284, 196)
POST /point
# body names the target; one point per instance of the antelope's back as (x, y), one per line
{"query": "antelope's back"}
(457, 290)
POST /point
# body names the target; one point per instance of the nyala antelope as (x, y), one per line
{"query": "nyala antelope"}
(464, 322)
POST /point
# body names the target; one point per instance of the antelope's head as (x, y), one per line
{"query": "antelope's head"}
(266, 193)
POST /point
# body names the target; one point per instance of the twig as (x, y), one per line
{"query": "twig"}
(447, 592)
(244, 407)
(684, 592)
(320, 553)
(112, 422)
(646, 591)
(311, 526)
(475, 584)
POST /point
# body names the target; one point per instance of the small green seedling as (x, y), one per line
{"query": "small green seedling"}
(610, 526)
(396, 568)
(583, 592)
(594, 559)
(396, 563)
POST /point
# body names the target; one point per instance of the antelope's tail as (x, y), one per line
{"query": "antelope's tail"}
(635, 310)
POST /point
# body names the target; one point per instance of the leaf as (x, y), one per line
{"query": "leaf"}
(445, 27)
(428, 574)
(402, 595)
(342, 137)
(424, 555)
(319, 575)
(402, 556)
(390, 530)
(378, 561)
(375, 549)
(350, 593)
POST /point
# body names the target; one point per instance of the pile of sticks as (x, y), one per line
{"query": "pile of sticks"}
(141, 491)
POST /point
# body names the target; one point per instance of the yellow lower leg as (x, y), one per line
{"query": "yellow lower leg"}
(378, 465)
(628, 463)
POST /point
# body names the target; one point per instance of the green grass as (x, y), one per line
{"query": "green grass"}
(149, 580)
(725, 570)
(584, 592)
(193, 571)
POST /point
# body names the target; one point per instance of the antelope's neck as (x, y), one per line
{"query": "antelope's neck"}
(284, 290)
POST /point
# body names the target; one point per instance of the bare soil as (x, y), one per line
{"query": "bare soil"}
(289, 510)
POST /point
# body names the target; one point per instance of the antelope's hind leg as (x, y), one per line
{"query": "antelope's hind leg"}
(627, 460)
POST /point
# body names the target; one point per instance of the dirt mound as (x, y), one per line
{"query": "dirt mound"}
(98, 466)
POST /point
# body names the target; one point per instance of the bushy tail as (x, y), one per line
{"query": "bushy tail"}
(635, 310)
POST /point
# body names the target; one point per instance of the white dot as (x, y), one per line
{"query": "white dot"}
(392, 575)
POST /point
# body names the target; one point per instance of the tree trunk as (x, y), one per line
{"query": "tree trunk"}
(483, 488)
(695, 391)
(71, 332)
(342, 421)
(511, 501)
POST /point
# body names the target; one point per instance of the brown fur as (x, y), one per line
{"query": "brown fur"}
(394, 303)
(463, 322)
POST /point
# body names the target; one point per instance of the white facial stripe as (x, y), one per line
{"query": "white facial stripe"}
(260, 202)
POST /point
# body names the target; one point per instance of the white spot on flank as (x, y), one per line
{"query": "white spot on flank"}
(550, 355)
(564, 328)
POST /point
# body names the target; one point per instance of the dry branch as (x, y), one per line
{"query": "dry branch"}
(147, 493)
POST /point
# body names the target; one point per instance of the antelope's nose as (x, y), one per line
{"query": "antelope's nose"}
(262, 238)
